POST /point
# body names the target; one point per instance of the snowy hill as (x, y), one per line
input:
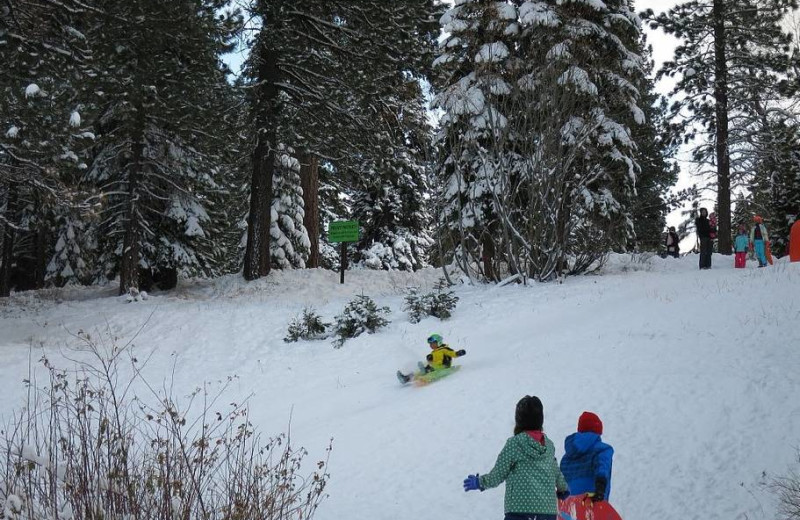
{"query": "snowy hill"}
(695, 375)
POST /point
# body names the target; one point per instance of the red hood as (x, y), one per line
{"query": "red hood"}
(536, 435)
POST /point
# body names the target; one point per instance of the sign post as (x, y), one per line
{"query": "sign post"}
(343, 231)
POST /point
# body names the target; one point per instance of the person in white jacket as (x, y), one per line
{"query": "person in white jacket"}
(759, 239)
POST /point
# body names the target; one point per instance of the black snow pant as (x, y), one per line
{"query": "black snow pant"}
(705, 253)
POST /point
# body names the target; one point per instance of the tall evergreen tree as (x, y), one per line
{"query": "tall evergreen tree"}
(290, 243)
(654, 155)
(390, 180)
(591, 53)
(776, 187)
(316, 70)
(538, 102)
(729, 50)
(476, 71)
(156, 114)
(44, 53)
(389, 199)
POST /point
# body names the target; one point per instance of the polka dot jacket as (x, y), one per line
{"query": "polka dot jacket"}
(531, 473)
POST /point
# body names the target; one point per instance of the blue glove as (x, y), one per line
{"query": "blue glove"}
(472, 482)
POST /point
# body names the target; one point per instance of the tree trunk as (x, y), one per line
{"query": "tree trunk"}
(129, 270)
(257, 256)
(8, 242)
(40, 256)
(562, 230)
(309, 180)
(723, 158)
(487, 256)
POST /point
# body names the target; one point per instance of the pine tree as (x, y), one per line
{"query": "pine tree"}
(156, 115)
(391, 181)
(776, 187)
(389, 200)
(474, 64)
(290, 242)
(730, 50)
(73, 254)
(538, 103)
(585, 56)
(44, 55)
(658, 171)
(317, 70)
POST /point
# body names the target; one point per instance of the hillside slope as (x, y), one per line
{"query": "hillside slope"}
(695, 375)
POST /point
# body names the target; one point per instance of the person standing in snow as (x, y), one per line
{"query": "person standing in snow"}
(527, 464)
(587, 459)
(671, 243)
(759, 239)
(704, 232)
(740, 248)
(794, 241)
(441, 356)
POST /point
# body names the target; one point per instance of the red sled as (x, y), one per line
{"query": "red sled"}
(740, 260)
(581, 507)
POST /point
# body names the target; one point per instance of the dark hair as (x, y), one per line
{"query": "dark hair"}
(529, 414)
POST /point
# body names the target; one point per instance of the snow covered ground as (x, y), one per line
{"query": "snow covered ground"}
(695, 375)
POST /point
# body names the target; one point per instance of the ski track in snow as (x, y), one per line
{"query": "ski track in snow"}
(693, 373)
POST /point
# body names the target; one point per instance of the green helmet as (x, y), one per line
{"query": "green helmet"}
(435, 338)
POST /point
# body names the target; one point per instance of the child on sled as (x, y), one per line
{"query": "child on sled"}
(440, 357)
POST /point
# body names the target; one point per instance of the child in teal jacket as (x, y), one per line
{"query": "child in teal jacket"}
(527, 464)
(740, 246)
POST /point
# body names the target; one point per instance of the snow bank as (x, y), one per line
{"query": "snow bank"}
(694, 374)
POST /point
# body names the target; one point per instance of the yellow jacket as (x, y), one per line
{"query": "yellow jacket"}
(441, 357)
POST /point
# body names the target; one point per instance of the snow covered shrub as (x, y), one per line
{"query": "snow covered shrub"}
(416, 305)
(438, 303)
(635, 262)
(135, 295)
(73, 251)
(290, 243)
(787, 490)
(86, 446)
(359, 316)
(397, 256)
(329, 256)
(310, 326)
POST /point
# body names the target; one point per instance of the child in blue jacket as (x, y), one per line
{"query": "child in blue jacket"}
(586, 464)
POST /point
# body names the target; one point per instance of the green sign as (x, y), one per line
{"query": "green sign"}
(343, 231)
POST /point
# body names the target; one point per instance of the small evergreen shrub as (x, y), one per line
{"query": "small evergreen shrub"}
(308, 327)
(439, 303)
(360, 315)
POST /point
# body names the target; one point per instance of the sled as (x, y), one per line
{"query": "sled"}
(794, 243)
(426, 378)
(581, 507)
(430, 377)
(768, 253)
